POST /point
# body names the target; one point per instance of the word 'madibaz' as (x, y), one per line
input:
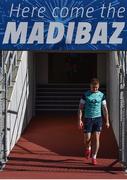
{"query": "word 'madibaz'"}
(72, 33)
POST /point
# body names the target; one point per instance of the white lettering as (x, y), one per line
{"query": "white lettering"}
(100, 33)
(70, 32)
(55, 32)
(115, 39)
(14, 35)
(16, 10)
(54, 14)
(83, 33)
(37, 33)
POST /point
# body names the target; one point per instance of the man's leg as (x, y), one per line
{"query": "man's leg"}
(87, 142)
(95, 147)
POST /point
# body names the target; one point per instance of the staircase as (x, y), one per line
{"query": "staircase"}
(59, 97)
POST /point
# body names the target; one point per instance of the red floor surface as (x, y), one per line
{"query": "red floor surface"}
(52, 147)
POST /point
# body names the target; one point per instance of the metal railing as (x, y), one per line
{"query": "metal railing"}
(10, 61)
(10, 64)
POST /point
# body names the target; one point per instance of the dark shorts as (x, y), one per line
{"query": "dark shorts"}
(92, 125)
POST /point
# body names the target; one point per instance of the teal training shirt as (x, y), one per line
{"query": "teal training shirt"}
(93, 104)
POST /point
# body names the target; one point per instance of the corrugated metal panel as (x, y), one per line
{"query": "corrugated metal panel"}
(123, 107)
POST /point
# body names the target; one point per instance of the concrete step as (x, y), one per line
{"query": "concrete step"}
(57, 105)
(57, 101)
(54, 110)
(56, 93)
(59, 97)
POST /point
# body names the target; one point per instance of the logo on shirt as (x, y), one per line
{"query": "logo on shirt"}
(94, 101)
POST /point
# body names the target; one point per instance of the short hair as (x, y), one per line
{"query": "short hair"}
(94, 81)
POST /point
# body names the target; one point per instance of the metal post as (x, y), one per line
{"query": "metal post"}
(122, 105)
(123, 109)
(120, 120)
(3, 125)
(5, 117)
(125, 127)
(5, 114)
(4, 132)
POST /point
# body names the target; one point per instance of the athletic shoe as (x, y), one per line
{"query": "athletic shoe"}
(94, 161)
(87, 153)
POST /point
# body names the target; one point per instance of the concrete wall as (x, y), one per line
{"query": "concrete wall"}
(41, 68)
(32, 86)
(101, 68)
(21, 102)
(113, 92)
(108, 73)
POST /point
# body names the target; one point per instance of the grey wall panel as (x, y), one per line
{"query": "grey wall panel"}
(113, 92)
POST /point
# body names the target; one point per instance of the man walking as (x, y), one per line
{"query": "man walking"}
(92, 104)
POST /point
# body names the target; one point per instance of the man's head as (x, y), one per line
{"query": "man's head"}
(94, 84)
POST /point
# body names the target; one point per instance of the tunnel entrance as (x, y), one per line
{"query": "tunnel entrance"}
(72, 68)
(61, 79)
(36, 91)
(44, 94)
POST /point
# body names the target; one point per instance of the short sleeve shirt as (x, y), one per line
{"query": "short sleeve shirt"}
(93, 102)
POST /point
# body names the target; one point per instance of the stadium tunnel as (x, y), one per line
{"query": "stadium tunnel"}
(39, 84)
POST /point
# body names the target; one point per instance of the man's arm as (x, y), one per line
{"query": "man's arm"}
(106, 114)
(80, 113)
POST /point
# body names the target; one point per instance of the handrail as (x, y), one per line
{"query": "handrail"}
(9, 63)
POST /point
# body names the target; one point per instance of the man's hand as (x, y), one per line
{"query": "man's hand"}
(106, 115)
(80, 124)
(107, 125)
(80, 118)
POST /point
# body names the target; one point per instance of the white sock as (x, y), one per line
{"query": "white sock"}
(89, 148)
(94, 156)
